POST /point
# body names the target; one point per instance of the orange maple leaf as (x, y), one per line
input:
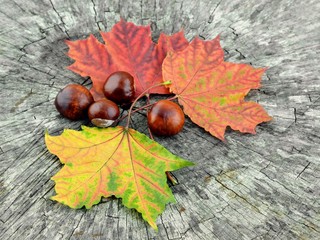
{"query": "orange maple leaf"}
(212, 91)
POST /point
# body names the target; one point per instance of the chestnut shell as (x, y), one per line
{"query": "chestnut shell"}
(73, 101)
(165, 118)
(104, 109)
(119, 88)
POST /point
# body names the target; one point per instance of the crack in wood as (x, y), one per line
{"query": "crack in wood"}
(95, 15)
(295, 114)
(236, 36)
(61, 19)
(30, 43)
(238, 195)
(268, 77)
(75, 228)
(305, 168)
(165, 227)
(241, 55)
(211, 16)
(314, 228)
(223, 209)
(147, 231)
(141, 16)
(186, 231)
(22, 49)
(86, 82)
(46, 192)
(44, 30)
(296, 149)
(193, 230)
(273, 180)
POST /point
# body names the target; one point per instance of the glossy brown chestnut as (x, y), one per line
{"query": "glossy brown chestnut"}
(165, 118)
(104, 109)
(73, 101)
(119, 88)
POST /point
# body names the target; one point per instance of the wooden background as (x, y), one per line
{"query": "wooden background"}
(263, 186)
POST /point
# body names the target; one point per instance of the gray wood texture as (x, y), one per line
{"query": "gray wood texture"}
(263, 186)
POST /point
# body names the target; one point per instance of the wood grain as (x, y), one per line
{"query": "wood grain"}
(263, 186)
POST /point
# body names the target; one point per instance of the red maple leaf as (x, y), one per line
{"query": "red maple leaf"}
(91, 59)
(127, 48)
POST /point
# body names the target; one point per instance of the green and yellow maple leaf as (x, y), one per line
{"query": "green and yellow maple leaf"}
(113, 161)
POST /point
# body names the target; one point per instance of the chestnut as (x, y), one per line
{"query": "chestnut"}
(119, 88)
(73, 101)
(165, 118)
(104, 109)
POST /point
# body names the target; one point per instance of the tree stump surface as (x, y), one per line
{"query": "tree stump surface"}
(262, 186)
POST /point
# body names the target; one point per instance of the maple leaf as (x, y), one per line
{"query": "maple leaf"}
(129, 48)
(134, 51)
(91, 59)
(176, 42)
(212, 91)
(113, 161)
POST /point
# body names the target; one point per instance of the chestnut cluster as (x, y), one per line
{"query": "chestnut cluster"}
(75, 102)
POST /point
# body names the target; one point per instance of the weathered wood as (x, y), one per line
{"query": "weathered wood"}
(263, 186)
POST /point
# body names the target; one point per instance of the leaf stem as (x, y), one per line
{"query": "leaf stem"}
(150, 134)
(145, 92)
(172, 178)
(137, 109)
